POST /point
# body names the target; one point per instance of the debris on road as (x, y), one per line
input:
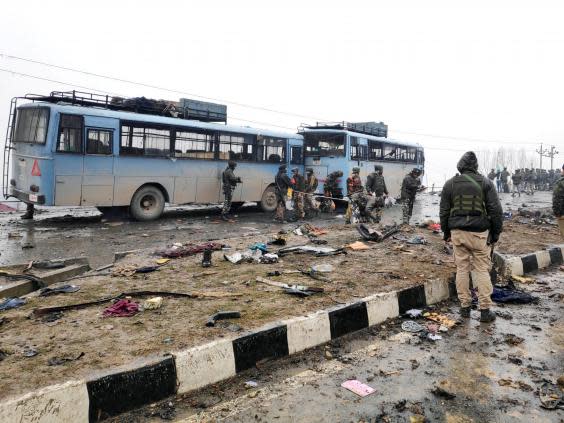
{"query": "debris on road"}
(511, 296)
(551, 396)
(412, 326)
(222, 315)
(12, 302)
(48, 264)
(57, 361)
(358, 246)
(308, 249)
(513, 339)
(189, 250)
(414, 312)
(64, 289)
(417, 240)
(153, 303)
(250, 384)
(299, 290)
(442, 391)
(369, 234)
(358, 387)
(122, 308)
(441, 319)
(29, 352)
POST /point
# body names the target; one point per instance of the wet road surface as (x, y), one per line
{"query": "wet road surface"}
(494, 376)
(70, 232)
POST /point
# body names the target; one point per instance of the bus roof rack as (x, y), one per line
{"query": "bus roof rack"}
(183, 109)
(378, 129)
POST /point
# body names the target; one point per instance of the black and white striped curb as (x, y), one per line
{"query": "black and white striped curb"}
(145, 382)
(519, 265)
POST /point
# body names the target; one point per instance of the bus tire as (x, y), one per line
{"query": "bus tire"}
(268, 201)
(147, 203)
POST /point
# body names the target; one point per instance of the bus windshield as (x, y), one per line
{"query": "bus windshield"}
(31, 125)
(324, 144)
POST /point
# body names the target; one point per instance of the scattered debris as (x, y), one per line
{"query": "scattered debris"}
(299, 290)
(522, 279)
(268, 258)
(414, 312)
(322, 268)
(14, 235)
(184, 251)
(442, 392)
(358, 246)
(370, 234)
(153, 303)
(511, 296)
(317, 251)
(250, 384)
(417, 240)
(222, 315)
(434, 337)
(441, 319)
(64, 289)
(515, 384)
(514, 359)
(279, 239)
(358, 387)
(259, 246)
(52, 317)
(57, 361)
(12, 302)
(48, 264)
(207, 258)
(162, 261)
(244, 257)
(122, 308)
(513, 339)
(412, 326)
(551, 396)
(37, 282)
(29, 352)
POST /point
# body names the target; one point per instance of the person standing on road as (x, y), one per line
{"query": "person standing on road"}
(311, 184)
(298, 182)
(376, 187)
(331, 190)
(472, 218)
(558, 202)
(281, 184)
(505, 180)
(409, 187)
(355, 192)
(230, 181)
(517, 179)
(491, 175)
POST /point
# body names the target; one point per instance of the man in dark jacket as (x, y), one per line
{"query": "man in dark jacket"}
(505, 180)
(409, 187)
(558, 202)
(472, 218)
(376, 187)
(229, 182)
(517, 179)
(281, 184)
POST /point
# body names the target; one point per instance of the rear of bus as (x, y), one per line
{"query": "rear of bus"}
(32, 161)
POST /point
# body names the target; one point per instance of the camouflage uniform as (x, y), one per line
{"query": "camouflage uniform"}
(331, 189)
(230, 181)
(355, 192)
(298, 195)
(558, 203)
(310, 188)
(409, 188)
(376, 186)
(281, 184)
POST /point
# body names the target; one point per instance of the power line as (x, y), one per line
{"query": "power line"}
(450, 137)
(142, 84)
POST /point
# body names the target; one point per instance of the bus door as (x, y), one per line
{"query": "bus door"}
(98, 175)
(69, 160)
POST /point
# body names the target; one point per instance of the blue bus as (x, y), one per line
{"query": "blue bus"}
(330, 147)
(80, 149)
(74, 155)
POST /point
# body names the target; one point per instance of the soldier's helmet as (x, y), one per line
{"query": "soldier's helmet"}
(356, 170)
(339, 173)
(232, 164)
(295, 170)
(309, 170)
(282, 167)
(378, 168)
(416, 171)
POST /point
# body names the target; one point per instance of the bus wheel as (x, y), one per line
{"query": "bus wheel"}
(268, 201)
(147, 203)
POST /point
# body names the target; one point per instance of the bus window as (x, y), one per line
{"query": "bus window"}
(297, 156)
(389, 152)
(271, 150)
(32, 125)
(70, 134)
(236, 147)
(324, 144)
(411, 154)
(358, 152)
(374, 150)
(140, 140)
(194, 145)
(98, 141)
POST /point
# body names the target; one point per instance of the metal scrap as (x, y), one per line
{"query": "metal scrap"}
(308, 249)
(222, 315)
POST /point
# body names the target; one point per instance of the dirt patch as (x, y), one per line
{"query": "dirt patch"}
(525, 234)
(180, 322)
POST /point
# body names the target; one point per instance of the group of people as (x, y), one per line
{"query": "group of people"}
(366, 202)
(524, 180)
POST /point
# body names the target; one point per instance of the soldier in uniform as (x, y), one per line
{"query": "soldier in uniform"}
(558, 202)
(376, 187)
(409, 187)
(331, 190)
(504, 180)
(281, 184)
(491, 175)
(298, 184)
(472, 218)
(230, 181)
(517, 179)
(355, 192)
(310, 188)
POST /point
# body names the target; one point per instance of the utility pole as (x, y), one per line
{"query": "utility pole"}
(542, 152)
(551, 154)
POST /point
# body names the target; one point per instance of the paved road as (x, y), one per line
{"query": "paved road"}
(69, 232)
(470, 362)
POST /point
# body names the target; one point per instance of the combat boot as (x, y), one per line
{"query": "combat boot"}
(465, 312)
(486, 315)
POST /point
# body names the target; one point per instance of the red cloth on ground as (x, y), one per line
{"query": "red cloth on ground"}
(122, 308)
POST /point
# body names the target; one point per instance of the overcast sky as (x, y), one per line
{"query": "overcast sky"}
(480, 76)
